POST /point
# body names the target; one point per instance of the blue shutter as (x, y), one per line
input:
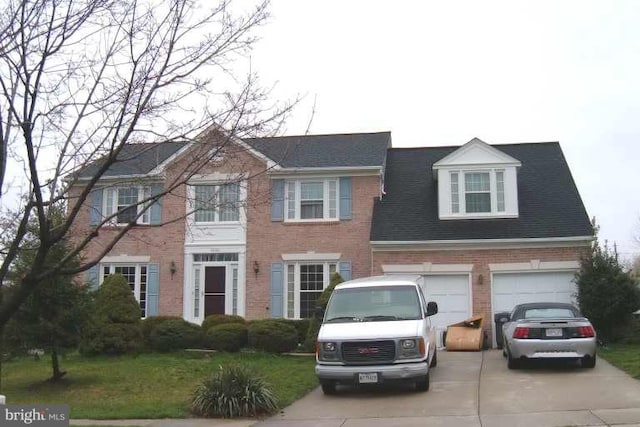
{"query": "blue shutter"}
(153, 288)
(155, 211)
(92, 277)
(345, 197)
(344, 268)
(277, 285)
(277, 200)
(95, 212)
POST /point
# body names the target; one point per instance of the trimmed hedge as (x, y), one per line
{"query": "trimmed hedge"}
(219, 319)
(301, 326)
(150, 323)
(272, 336)
(175, 334)
(229, 337)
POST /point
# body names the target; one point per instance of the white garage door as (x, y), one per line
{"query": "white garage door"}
(509, 289)
(451, 292)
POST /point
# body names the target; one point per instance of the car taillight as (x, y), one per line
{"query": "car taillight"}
(586, 332)
(521, 333)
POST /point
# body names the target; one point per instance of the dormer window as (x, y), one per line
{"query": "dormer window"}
(477, 192)
(477, 181)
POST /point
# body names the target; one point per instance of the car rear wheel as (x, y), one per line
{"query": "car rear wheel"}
(434, 359)
(589, 362)
(328, 387)
(511, 362)
(423, 383)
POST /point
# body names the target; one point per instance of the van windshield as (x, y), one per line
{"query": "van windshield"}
(371, 304)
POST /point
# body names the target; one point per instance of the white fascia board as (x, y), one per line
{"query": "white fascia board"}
(124, 259)
(427, 268)
(534, 265)
(106, 179)
(575, 241)
(159, 170)
(270, 163)
(342, 170)
(311, 256)
(478, 146)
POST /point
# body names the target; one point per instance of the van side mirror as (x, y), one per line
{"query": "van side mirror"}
(432, 308)
(319, 312)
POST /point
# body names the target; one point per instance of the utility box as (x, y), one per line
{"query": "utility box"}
(465, 336)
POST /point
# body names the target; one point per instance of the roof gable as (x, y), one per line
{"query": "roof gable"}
(476, 152)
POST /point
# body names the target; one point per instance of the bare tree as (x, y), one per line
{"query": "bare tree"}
(82, 79)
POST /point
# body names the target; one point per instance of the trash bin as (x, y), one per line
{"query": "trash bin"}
(500, 319)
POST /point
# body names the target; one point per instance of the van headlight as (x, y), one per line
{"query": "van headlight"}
(411, 348)
(327, 351)
(329, 346)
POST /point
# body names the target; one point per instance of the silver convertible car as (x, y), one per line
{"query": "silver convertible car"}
(548, 330)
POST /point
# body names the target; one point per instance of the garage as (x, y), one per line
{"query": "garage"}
(509, 289)
(452, 294)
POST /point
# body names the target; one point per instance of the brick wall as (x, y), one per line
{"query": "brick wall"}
(268, 240)
(480, 258)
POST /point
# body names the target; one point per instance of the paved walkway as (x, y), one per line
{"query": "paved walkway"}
(468, 389)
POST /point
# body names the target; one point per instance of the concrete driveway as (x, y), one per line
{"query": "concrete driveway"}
(477, 390)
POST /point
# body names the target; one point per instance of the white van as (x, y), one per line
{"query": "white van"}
(376, 330)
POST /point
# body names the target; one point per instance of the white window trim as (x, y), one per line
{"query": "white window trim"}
(191, 202)
(326, 279)
(144, 191)
(137, 283)
(493, 191)
(325, 202)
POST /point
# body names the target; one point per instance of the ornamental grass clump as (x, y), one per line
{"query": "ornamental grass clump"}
(233, 391)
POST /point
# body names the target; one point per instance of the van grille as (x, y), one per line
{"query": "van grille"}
(365, 352)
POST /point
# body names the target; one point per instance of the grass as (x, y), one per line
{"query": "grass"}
(146, 385)
(623, 356)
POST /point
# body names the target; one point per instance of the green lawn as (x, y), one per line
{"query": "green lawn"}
(624, 356)
(147, 385)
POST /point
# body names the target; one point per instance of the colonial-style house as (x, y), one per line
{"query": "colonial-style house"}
(259, 230)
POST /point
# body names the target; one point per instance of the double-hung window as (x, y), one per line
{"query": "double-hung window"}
(304, 284)
(308, 200)
(217, 203)
(126, 204)
(478, 192)
(136, 276)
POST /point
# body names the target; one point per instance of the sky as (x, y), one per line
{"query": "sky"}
(441, 73)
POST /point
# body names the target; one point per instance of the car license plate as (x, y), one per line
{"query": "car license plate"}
(553, 332)
(368, 377)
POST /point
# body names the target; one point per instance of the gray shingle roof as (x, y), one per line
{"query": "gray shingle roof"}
(548, 200)
(135, 159)
(325, 151)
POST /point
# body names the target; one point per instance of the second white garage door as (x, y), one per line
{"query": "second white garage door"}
(451, 292)
(509, 289)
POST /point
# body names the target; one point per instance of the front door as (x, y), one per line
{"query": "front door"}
(214, 289)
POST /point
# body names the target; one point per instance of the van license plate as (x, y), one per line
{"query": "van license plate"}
(368, 377)
(554, 332)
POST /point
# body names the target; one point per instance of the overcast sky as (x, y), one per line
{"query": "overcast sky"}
(441, 73)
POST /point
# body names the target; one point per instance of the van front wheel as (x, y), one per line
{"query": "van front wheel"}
(328, 387)
(423, 383)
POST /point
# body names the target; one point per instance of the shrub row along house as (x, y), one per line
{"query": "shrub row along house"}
(260, 229)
